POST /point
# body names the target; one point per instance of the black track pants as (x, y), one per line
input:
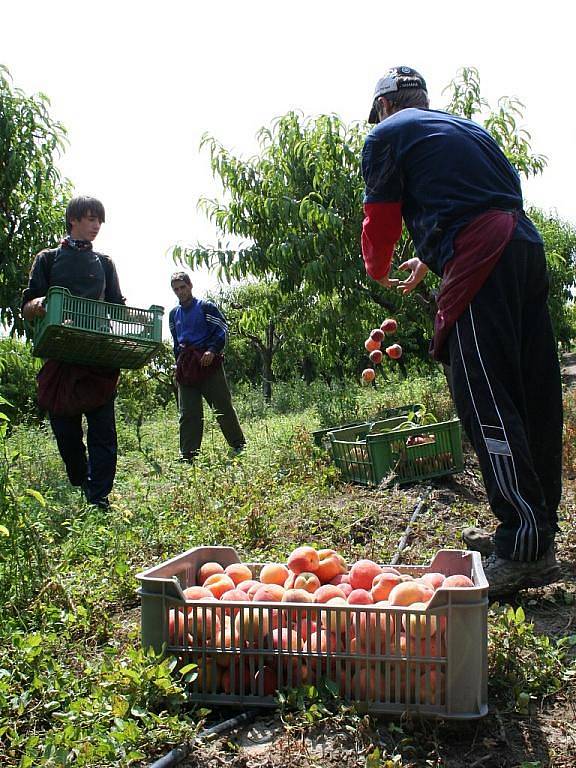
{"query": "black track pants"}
(506, 385)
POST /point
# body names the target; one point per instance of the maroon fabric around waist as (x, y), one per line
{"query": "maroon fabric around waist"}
(66, 389)
(477, 249)
(188, 369)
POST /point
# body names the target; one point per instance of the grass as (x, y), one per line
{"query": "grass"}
(75, 688)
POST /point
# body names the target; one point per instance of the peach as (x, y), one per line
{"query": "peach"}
(306, 628)
(370, 625)
(296, 595)
(253, 589)
(360, 597)
(236, 679)
(289, 583)
(284, 639)
(269, 593)
(195, 593)
(303, 559)
(433, 580)
(307, 581)
(321, 642)
(408, 592)
(238, 572)
(346, 587)
(365, 686)
(394, 351)
(368, 375)
(201, 625)
(218, 584)
(246, 585)
(208, 677)
(340, 578)
(234, 595)
(389, 325)
(376, 356)
(274, 573)
(414, 622)
(326, 592)
(208, 569)
(383, 585)
(370, 345)
(266, 681)
(457, 580)
(362, 574)
(432, 687)
(252, 625)
(335, 621)
(377, 334)
(330, 564)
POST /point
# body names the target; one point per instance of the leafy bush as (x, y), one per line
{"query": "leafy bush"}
(18, 371)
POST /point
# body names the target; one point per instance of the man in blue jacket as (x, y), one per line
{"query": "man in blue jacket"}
(200, 332)
(460, 199)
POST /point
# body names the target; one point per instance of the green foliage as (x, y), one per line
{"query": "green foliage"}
(32, 193)
(560, 244)
(502, 123)
(18, 371)
(23, 528)
(523, 664)
(59, 710)
(296, 208)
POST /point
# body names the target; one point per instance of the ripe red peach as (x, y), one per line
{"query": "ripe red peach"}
(269, 593)
(274, 573)
(377, 334)
(389, 325)
(307, 581)
(195, 593)
(383, 584)
(330, 565)
(208, 569)
(368, 375)
(360, 597)
(326, 592)
(238, 572)
(245, 586)
(303, 559)
(458, 580)
(433, 580)
(362, 574)
(408, 592)
(370, 345)
(218, 584)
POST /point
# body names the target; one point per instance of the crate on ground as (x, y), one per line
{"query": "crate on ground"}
(368, 455)
(383, 659)
(320, 436)
(90, 332)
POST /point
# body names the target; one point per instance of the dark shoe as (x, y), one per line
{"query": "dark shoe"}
(238, 449)
(506, 577)
(478, 540)
(186, 459)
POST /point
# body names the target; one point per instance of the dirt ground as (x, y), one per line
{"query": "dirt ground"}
(546, 738)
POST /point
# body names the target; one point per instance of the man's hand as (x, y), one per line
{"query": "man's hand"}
(34, 308)
(388, 282)
(206, 358)
(418, 271)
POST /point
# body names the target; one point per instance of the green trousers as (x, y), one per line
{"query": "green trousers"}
(216, 392)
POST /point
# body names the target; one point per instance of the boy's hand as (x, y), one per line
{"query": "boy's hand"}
(34, 308)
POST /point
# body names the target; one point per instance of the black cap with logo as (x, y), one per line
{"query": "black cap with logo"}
(396, 79)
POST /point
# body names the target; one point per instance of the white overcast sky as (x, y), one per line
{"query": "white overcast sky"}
(137, 84)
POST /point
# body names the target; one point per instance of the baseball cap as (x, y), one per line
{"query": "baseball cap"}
(396, 79)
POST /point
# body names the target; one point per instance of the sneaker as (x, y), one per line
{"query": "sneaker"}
(238, 449)
(506, 577)
(478, 540)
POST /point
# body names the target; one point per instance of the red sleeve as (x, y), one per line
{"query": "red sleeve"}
(381, 230)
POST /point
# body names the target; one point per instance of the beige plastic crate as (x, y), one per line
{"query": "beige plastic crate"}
(441, 670)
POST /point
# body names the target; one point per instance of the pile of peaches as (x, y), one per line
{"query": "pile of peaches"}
(373, 346)
(326, 608)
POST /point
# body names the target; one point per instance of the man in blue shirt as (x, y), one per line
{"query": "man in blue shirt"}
(460, 199)
(200, 332)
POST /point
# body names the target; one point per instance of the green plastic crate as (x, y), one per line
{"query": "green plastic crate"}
(232, 662)
(320, 436)
(367, 456)
(90, 332)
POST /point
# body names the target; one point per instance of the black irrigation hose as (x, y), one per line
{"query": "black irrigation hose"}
(404, 539)
(178, 754)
